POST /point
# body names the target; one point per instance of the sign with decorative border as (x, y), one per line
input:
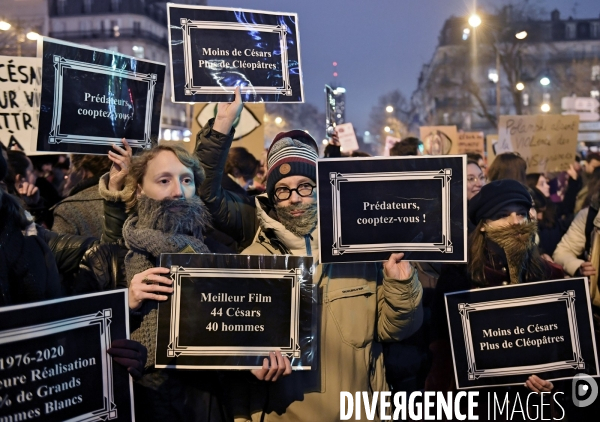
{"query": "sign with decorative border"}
(502, 335)
(61, 344)
(231, 311)
(213, 50)
(93, 98)
(371, 207)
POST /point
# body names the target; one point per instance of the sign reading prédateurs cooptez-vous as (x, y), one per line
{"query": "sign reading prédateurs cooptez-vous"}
(502, 335)
(230, 311)
(371, 207)
(54, 364)
(213, 50)
(92, 98)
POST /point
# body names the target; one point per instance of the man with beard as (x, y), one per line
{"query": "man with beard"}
(501, 251)
(165, 216)
(359, 305)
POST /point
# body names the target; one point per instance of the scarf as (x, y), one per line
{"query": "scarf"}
(167, 226)
(302, 225)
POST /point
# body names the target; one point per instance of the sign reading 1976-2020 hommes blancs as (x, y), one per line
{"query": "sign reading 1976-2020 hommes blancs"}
(502, 335)
(213, 50)
(371, 207)
(53, 360)
(230, 311)
(92, 98)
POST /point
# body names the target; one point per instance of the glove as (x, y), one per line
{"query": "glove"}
(130, 354)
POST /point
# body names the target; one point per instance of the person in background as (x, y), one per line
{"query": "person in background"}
(540, 182)
(240, 169)
(508, 165)
(475, 156)
(82, 210)
(475, 179)
(407, 146)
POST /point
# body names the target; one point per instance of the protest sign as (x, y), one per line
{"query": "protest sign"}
(490, 147)
(213, 50)
(438, 140)
(53, 360)
(371, 207)
(547, 142)
(20, 82)
(231, 311)
(347, 137)
(92, 98)
(390, 141)
(468, 142)
(502, 335)
(249, 127)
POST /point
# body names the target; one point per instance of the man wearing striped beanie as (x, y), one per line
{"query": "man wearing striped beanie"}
(291, 180)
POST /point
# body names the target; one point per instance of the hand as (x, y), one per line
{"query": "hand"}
(147, 285)
(121, 165)
(396, 268)
(130, 354)
(547, 257)
(227, 113)
(572, 172)
(587, 269)
(28, 192)
(335, 139)
(280, 365)
(538, 385)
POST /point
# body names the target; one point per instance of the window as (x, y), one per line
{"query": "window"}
(546, 97)
(87, 6)
(60, 6)
(138, 51)
(114, 24)
(114, 5)
(525, 99)
(493, 75)
(596, 72)
(137, 27)
(595, 93)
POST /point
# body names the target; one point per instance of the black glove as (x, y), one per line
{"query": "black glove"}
(129, 354)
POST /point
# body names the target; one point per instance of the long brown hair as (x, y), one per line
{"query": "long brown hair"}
(139, 164)
(508, 165)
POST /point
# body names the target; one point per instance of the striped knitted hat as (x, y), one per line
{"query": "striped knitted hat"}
(292, 153)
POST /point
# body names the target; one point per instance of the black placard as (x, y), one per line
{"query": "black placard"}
(502, 335)
(370, 207)
(92, 98)
(213, 50)
(53, 360)
(231, 311)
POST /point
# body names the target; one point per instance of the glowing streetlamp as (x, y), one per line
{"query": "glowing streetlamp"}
(474, 20)
(545, 108)
(387, 129)
(4, 26)
(521, 35)
(520, 86)
(545, 81)
(389, 109)
(33, 36)
(278, 120)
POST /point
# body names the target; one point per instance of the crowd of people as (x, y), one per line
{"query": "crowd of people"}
(101, 222)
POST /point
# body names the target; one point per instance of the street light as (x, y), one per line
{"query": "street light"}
(389, 109)
(4, 26)
(33, 36)
(387, 129)
(474, 20)
(545, 107)
(521, 35)
(520, 86)
(278, 120)
(545, 81)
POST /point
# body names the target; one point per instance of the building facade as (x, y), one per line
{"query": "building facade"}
(510, 64)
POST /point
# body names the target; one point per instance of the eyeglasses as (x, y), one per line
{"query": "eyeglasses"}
(304, 189)
(473, 179)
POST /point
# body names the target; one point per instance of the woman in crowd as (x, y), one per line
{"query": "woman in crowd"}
(508, 165)
(501, 251)
(475, 179)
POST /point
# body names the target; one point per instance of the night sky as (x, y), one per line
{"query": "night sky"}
(379, 45)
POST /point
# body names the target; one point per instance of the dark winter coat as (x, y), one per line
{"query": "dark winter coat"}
(81, 212)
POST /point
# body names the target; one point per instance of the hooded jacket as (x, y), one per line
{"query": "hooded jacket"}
(358, 306)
